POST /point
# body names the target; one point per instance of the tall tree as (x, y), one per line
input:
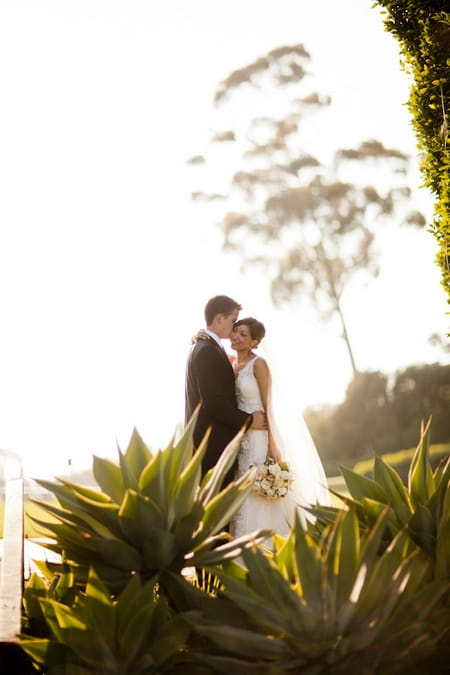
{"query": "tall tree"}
(310, 223)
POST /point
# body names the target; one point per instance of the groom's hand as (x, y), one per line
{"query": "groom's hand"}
(259, 421)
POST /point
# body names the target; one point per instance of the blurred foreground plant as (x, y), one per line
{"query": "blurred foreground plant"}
(321, 605)
(364, 590)
(152, 515)
(421, 508)
(135, 632)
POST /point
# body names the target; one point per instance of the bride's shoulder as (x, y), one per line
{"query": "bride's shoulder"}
(260, 364)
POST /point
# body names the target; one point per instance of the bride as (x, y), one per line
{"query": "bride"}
(255, 390)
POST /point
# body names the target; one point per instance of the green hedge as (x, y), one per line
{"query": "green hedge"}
(423, 32)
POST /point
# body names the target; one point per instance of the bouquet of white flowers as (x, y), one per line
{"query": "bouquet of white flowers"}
(273, 479)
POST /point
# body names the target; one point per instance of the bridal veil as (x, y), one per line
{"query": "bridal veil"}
(295, 442)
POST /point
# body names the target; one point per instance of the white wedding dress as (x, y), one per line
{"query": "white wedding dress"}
(310, 485)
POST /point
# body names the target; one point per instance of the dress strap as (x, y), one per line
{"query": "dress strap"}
(248, 368)
(251, 364)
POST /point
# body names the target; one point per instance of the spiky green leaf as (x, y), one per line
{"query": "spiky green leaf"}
(422, 528)
(186, 487)
(361, 487)
(152, 481)
(443, 551)
(396, 492)
(221, 507)
(343, 557)
(211, 487)
(420, 476)
(306, 560)
(45, 652)
(137, 456)
(109, 477)
(160, 550)
(243, 642)
(138, 516)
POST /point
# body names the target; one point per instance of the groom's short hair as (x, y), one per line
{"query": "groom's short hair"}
(220, 304)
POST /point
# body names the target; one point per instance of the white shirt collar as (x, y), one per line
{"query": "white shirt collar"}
(215, 337)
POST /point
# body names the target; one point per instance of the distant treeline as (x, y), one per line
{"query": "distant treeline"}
(382, 414)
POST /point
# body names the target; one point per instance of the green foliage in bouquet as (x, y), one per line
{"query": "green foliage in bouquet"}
(153, 514)
(421, 508)
(325, 605)
(93, 632)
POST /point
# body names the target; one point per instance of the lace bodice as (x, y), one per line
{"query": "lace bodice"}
(247, 390)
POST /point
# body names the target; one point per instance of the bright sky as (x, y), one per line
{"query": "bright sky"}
(106, 264)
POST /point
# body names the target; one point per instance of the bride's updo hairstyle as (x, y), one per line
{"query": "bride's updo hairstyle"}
(256, 328)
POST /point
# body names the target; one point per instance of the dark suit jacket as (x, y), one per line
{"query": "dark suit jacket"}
(210, 381)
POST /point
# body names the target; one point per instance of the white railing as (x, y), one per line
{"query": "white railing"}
(11, 567)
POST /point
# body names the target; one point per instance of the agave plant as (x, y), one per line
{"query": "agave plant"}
(135, 632)
(152, 515)
(422, 508)
(321, 606)
(44, 586)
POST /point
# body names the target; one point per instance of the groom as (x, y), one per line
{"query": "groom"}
(210, 382)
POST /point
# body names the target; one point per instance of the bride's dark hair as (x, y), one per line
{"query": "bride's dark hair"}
(256, 328)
